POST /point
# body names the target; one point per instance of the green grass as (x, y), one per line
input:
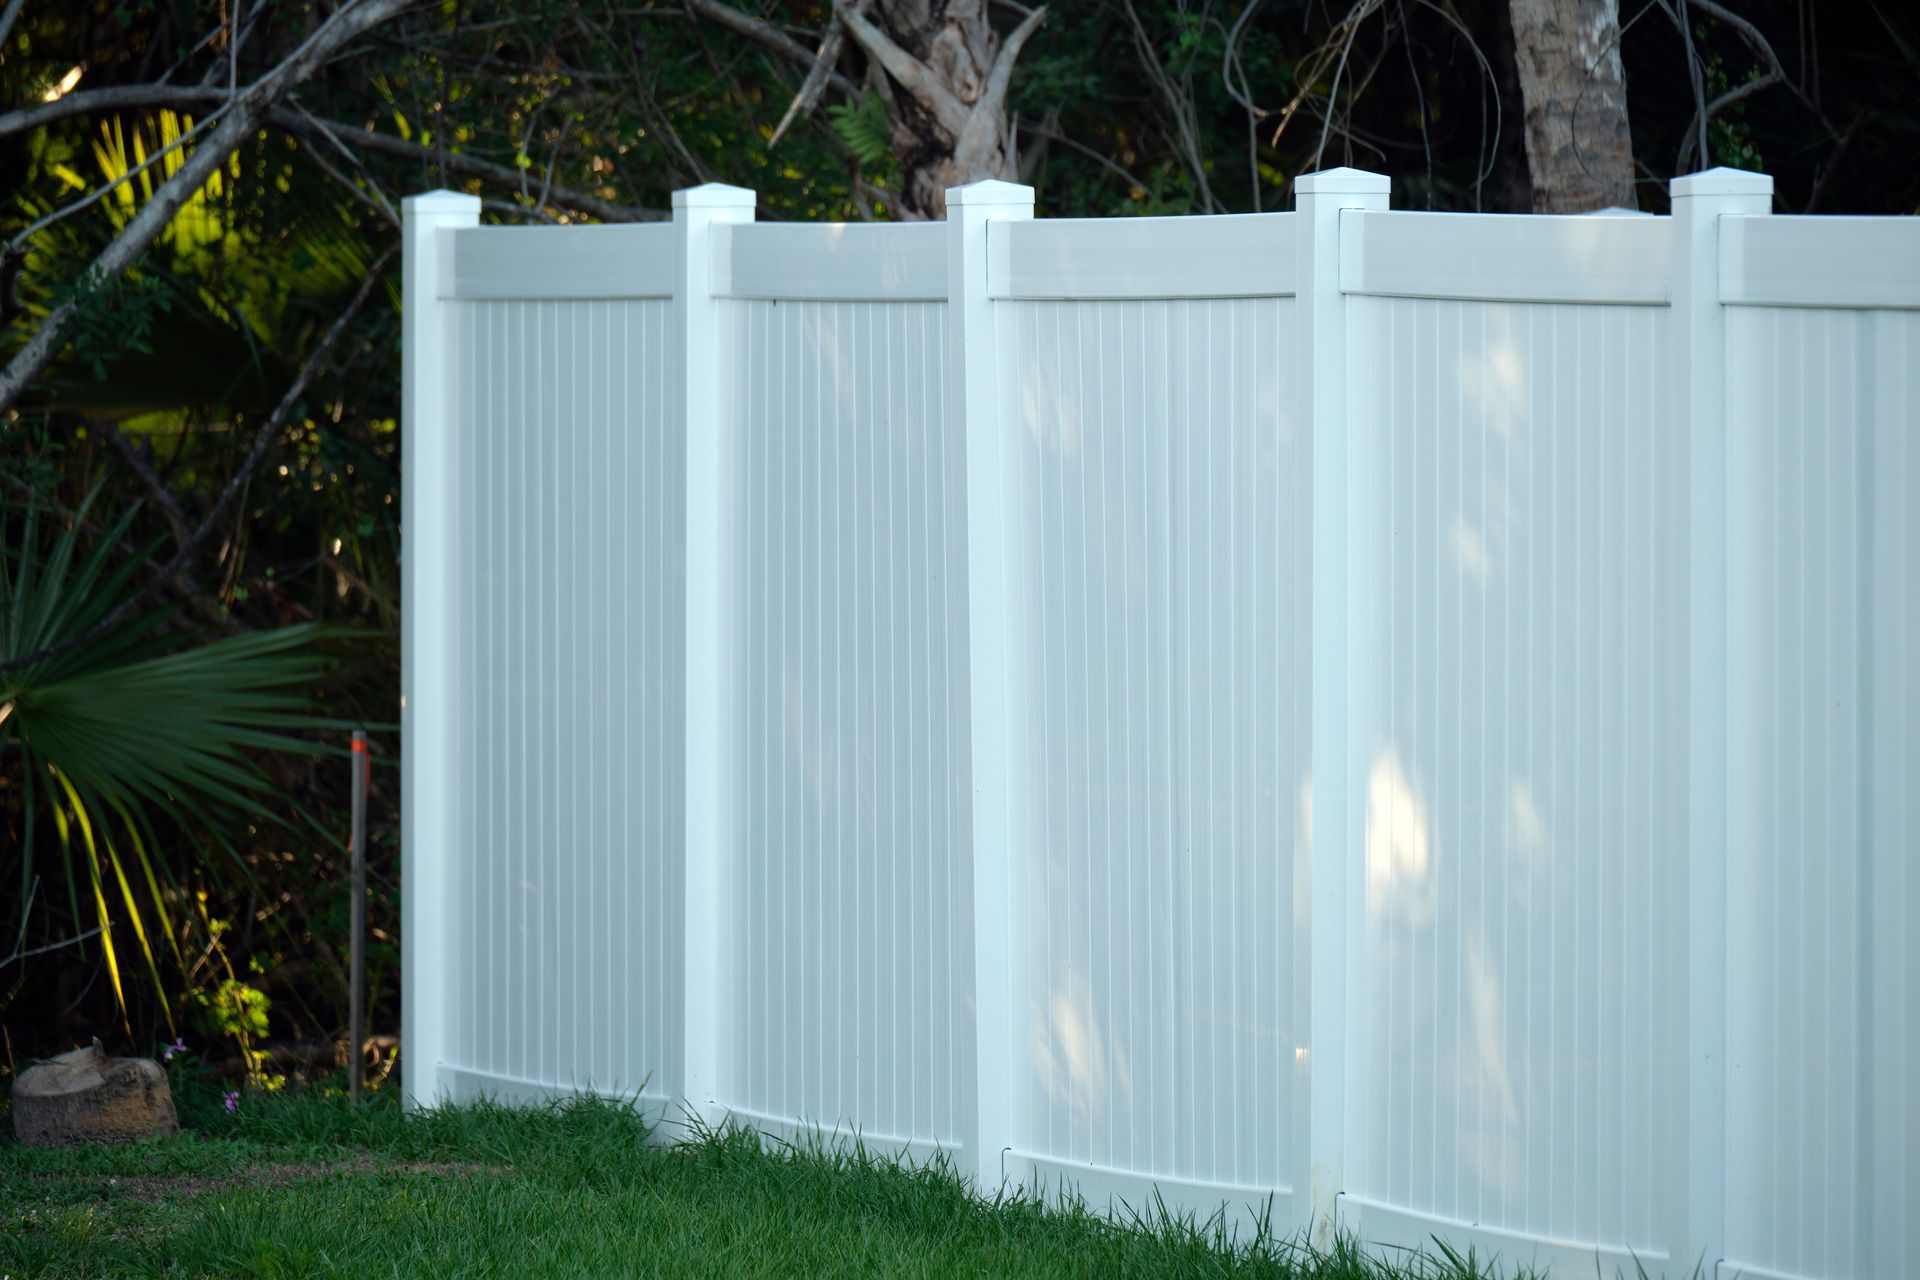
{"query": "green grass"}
(304, 1186)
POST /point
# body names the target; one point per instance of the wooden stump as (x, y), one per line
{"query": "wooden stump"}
(88, 1096)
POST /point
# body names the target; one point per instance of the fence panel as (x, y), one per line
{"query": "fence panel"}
(1514, 1030)
(571, 537)
(1162, 469)
(1823, 1125)
(852, 880)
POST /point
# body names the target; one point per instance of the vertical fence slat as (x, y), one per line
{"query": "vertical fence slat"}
(1890, 883)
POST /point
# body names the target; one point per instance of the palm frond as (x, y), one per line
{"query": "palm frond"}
(133, 721)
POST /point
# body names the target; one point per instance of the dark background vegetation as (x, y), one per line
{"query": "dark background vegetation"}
(580, 109)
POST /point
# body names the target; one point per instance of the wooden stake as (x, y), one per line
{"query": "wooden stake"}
(357, 913)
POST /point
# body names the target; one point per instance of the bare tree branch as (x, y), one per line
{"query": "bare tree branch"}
(21, 950)
(7, 19)
(508, 208)
(1420, 98)
(296, 120)
(461, 162)
(1828, 167)
(157, 491)
(262, 441)
(206, 608)
(1763, 48)
(1714, 108)
(1230, 67)
(245, 113)
(1001, 77)
(1492, 153)
(1052, 132)
(1179, 104)
(1756, 41)
(636, 77)
(1676, 10)
(88, 101)
(373, 196)
(1242, 93)
(139, 462)
(810, 89)
(985, 117)
(768, 36)
(1355, 16)
(911, 74)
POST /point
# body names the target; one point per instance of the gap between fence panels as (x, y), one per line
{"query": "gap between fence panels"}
(1397, 1229)
(471, 1084)
(1019, 588)
(1138, 1196)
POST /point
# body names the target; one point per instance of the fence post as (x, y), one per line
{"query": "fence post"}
(712, 722)
(1699, 348)
(1321, 351)
(994, 546)
(429, 682)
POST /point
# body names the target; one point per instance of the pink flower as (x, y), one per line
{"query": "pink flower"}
(232, 1099)
(178, 1046)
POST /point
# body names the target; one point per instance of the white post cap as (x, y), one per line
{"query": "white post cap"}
(1722, 182)
(1343, 182)
(990, 191)
(440, 201)
(714, 195)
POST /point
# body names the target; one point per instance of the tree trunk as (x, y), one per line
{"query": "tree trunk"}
(942, 73)
(1579, 148)
(87, 1096)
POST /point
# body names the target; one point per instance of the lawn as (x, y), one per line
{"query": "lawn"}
(304, 1186)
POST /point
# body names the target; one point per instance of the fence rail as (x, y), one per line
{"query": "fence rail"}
(1402, 721)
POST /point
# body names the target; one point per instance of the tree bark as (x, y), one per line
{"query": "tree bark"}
(942, 74)
(87, 1096)
(1579, 146)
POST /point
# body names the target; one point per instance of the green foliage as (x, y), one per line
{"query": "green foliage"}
(236, 1010)
(196, 346)
(113, 317)
(112, 719)
(233, 1009)
(131, 716)
(624, 102)
(862, 126)
(1730, 137)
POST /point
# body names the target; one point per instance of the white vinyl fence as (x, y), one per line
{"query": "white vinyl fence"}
(1407, 720)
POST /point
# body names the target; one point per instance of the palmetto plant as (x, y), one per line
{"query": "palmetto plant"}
(133, 814)
(105, 727)
(213, 320)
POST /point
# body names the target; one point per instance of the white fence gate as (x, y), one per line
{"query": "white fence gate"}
(1410, 718)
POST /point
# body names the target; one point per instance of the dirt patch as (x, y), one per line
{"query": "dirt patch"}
(147, 1188)
(156, 1188)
